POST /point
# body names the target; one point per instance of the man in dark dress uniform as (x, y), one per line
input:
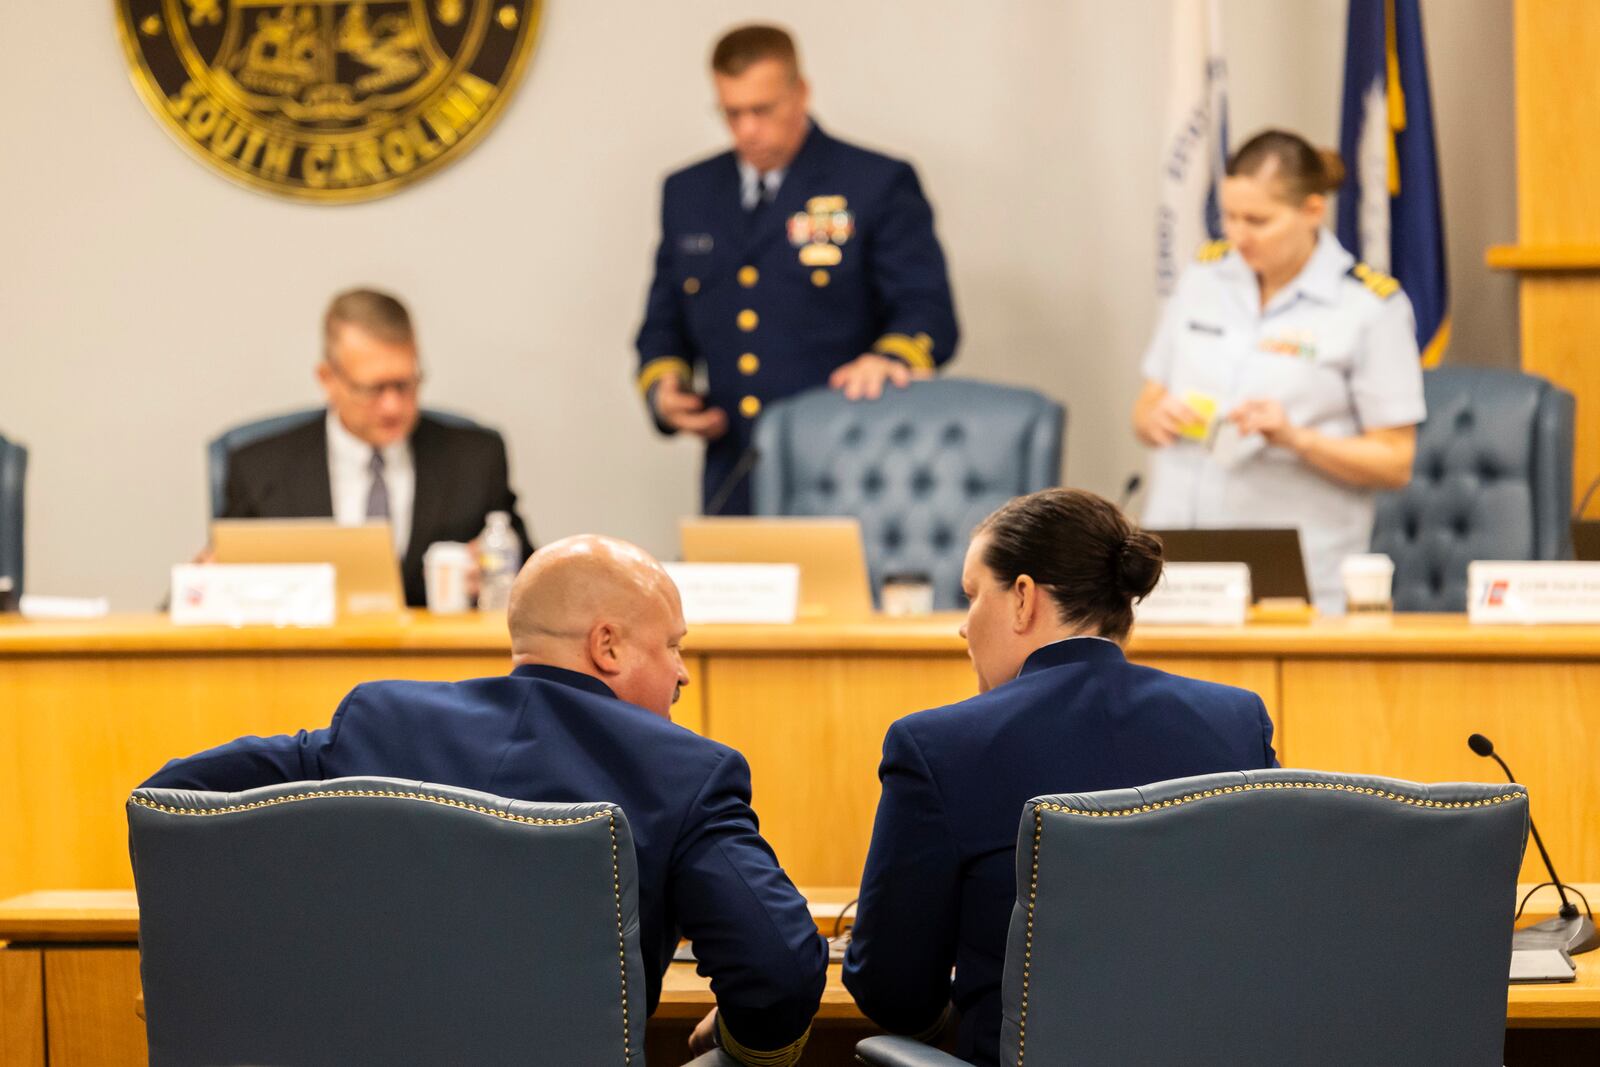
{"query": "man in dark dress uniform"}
(791, 260)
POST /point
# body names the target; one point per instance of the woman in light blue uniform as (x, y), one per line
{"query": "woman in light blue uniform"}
(1283, 386)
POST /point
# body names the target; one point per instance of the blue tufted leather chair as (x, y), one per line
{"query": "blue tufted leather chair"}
(1492, 480)
(229, 441)
(1285, 917)
(13, 481)
(372, 920)
(919, 467)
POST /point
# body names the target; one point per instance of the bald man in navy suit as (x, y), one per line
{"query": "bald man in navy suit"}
(585, 715)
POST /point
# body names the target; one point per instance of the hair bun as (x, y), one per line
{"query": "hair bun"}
(1332, 168)
(1139, 564)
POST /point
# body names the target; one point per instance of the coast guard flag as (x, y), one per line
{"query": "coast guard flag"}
(1194, 147)
(1389, 211)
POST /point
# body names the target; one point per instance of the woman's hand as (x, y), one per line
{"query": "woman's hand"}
(1267, 418)
(1159, 417)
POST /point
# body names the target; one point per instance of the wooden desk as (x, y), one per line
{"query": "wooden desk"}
(69, 980)
(89, 709)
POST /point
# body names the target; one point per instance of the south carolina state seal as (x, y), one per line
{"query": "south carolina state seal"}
(327, 100)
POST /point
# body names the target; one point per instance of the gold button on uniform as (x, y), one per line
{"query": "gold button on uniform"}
(749, 407)
(691, 285)
(747, 320)
(748, 276)
(819, 278)
(748, 363)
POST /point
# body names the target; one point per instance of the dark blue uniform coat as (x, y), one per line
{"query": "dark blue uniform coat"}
(940, 879)
(543, 733)
(743, 295)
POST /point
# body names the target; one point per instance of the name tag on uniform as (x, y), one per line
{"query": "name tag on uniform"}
(695, 244)
(1205, 328)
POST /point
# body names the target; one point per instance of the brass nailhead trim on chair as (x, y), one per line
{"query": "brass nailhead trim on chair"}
(608, 814)
(1338, 787)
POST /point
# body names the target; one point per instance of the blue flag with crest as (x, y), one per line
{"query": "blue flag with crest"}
(1389, 206)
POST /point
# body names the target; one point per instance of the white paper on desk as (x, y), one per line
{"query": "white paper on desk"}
(34, 606)
(1542, 965)
(737, 592)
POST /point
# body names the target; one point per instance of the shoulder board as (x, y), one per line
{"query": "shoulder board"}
(1381, 284)
(1212, 251)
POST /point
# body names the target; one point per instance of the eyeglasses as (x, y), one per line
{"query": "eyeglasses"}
(404, 388)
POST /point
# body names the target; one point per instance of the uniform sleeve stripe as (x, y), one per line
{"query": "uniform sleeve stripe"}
(661, 367)
(917, 351)
(786, 1056)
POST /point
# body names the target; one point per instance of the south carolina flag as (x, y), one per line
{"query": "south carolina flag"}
(1389, 210)
(1194, 147)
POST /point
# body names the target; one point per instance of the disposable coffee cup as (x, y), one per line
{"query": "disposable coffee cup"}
(1368, 583)
(446, 567)
(907, 594)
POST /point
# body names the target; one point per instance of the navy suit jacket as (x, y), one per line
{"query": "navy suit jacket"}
(543, 733)
(769, 302)
(940, 878)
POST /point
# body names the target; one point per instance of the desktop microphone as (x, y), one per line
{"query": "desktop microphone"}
(1577, 512)
(1571, 929)
(1130, 487)
(741, 470)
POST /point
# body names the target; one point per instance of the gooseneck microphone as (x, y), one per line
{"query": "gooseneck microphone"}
(1571, 930)
(1588, 494)
(741, 469)
(1129, 488)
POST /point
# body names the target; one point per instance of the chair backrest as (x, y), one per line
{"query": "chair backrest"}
(1285, 917)
(919, 467)
(13, 482)
(220, 447)
(372, 920)
(1492, 480)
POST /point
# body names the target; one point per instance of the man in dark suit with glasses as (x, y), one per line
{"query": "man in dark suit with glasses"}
(376, 455)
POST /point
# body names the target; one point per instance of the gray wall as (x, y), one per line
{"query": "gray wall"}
(146, 303)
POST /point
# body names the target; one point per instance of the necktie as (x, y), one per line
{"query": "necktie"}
(378, 496)
(762, 193)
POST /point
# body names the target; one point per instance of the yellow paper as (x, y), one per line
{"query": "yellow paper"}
(1205, 406)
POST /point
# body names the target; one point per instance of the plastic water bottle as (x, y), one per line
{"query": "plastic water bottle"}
(498, 553)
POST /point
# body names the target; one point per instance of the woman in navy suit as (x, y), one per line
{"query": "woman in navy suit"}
(1051, 579)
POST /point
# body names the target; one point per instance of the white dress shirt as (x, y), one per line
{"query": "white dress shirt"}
(350, 480)
(1338, 356)
(752, 181)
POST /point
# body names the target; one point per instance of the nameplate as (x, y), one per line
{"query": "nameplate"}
(253, 594)
(737, 592)
(1197, 594)
(1532, 593)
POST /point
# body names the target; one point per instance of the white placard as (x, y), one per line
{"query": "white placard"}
(737, 592)
(253, 594)
(1529, 593)
(1197, 594)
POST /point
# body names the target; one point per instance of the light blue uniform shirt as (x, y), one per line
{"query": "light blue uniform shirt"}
(1339, 357)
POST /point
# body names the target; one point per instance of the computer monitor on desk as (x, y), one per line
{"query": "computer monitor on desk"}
(367, 572)
(829, 552)
(1277, 566)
